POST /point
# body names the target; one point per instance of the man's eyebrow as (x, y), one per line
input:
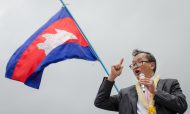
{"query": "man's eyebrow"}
(139, 59)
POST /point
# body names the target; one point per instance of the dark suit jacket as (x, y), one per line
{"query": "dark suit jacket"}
(169, 98)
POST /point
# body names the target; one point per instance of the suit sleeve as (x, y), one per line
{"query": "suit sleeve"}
(174, 99)
(103, 99)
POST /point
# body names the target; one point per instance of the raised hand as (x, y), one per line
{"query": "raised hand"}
(116, 70)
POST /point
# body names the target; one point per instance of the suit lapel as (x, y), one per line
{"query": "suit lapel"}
(159, 87)
(133, 97)
(160, 84)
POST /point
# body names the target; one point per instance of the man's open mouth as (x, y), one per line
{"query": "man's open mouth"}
(137, 72)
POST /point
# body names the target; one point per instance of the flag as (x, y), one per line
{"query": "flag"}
(57, 40)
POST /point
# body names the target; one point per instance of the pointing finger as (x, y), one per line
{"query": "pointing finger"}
(121, 62)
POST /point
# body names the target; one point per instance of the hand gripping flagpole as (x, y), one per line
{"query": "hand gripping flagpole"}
(92, 49)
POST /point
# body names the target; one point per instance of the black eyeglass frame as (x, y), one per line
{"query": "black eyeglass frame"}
(138, 64)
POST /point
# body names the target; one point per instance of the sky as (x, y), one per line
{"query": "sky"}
(114, 28)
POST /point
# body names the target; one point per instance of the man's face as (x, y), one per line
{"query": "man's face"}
(141, 64)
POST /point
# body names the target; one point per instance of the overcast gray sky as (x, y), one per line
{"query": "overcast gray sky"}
(114, 28)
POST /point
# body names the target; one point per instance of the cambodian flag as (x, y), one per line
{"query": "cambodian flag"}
(58, 39)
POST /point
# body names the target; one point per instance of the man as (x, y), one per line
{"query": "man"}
(151, 95)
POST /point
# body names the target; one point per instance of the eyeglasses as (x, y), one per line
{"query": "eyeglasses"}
(138, 64)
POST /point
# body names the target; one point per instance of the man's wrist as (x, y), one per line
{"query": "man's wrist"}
(110, 79)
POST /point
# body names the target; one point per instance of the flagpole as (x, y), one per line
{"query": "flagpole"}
(92, 49)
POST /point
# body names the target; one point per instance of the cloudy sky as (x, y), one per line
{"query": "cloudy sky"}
(114, 28)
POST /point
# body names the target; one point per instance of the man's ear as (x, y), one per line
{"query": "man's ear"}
(153, 65)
